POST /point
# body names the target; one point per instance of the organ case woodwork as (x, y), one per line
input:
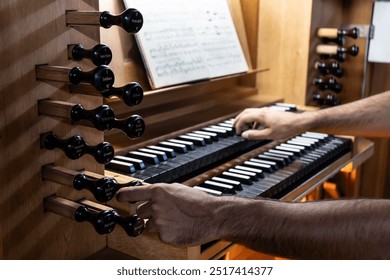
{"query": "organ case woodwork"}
(36, 34)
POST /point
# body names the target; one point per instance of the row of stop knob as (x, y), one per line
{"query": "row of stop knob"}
(332, 53)
(97, 82)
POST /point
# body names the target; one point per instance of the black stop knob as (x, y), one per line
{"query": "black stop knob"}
(103, 221)
(99, 55)
(75, 147)
(103, 152)
(102, 77)
(130, 20)
(103, 189)
(133, 225)
(132, 94)
(102, 117)
(133, 126)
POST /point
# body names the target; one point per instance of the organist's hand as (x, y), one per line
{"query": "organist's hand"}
(183, 216)
(265, 123)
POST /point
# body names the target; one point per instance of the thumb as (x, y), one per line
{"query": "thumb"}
(254, 134)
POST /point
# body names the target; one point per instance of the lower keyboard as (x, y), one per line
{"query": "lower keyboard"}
(279, 168)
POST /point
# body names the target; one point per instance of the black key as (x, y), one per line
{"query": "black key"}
(264, 167)
(305, 139)
(313, 142)
(138, 164)
(168, 151)
(120, 166)
(179, 148)
(286, 158)
(145, 157)
(279, 161)
(231, 120)
(229, 130)
(258, 171)
(273, 165)
(314, 135)
(205, 138)
(162, 156)
(226, 124)
(299, 143)
(306, 159)
(290, 155)
(252, 175)
(302, 148)
(296, 152)
(245, 179)
(190, 146)
(219, 132)
(213, 135)
(311, 156)
(224, 188)
(236, 184)
(196, 140)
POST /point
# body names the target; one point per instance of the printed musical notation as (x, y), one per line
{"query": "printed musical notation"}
(188, 40)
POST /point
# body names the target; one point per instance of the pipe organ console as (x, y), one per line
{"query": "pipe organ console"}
(61, 102)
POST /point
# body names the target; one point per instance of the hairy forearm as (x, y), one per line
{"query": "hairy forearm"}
(368, 117)
(342, 229)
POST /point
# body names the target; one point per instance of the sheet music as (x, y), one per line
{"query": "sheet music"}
(187, 40)
(379, 44)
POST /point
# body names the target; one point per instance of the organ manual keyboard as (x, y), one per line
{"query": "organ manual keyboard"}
(188, 153)
(212, 158)
(277, 170)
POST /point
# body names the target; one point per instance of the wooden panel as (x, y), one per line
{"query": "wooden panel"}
(324, 14)
(250, 8)
(283, 48)
(146, 246)
(34, 33)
